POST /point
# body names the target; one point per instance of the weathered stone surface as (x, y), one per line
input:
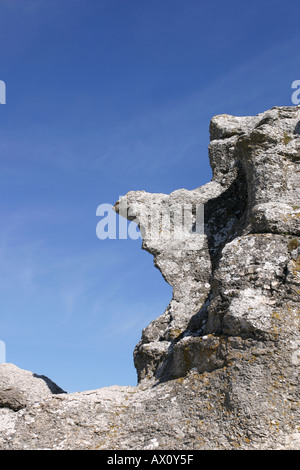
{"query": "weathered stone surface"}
(209, 410)
(21, 388)
(219, 369)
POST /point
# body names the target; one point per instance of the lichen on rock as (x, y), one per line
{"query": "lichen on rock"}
(251, 206)
(219, 369)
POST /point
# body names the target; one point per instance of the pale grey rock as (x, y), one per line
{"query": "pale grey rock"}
(254, 191)
(20, 388)
(199, 411)
(219, 369)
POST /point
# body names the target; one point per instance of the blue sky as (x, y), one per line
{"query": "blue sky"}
(103, 97)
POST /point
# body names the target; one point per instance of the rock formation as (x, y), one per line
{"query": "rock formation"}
(21, 388)
(219, 368)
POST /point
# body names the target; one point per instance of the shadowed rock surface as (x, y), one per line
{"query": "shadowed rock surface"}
(219, 368)
(21, 388)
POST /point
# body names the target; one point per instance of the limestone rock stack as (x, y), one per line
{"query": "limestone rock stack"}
(219, 369)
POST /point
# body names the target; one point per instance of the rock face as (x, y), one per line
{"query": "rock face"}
(243, 274)
(219, 368)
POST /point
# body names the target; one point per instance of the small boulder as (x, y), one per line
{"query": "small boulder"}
(21, 388)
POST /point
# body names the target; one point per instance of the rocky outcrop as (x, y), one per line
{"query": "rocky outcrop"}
(219, 368)
(21, 388)
(242, 273)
